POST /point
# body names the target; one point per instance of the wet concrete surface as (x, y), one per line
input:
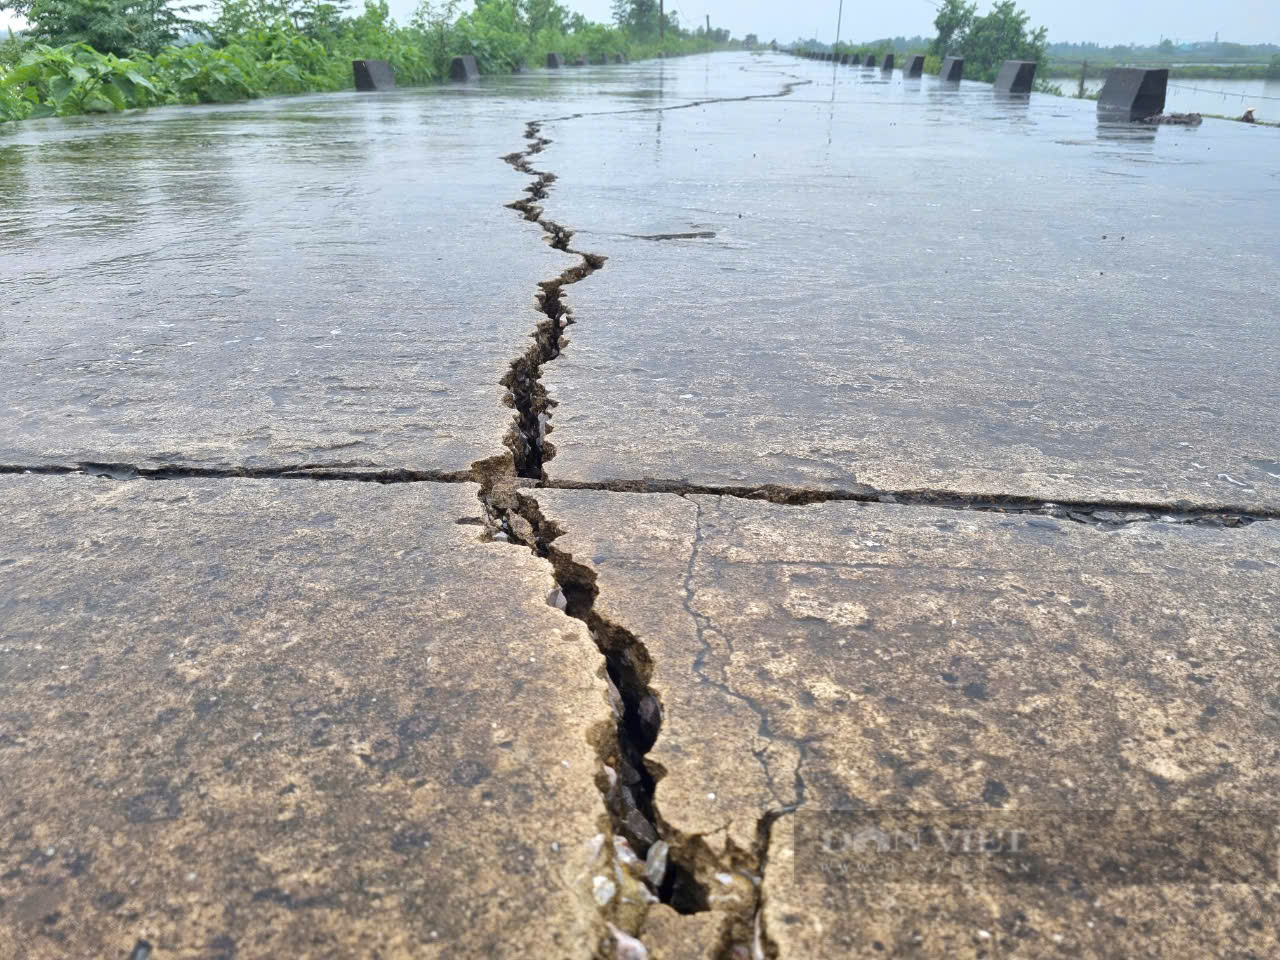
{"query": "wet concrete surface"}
(915, 286)
(258, 718)
(318, 281)
(241, 720)
(819, 661)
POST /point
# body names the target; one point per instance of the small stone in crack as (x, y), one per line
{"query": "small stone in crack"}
(650, 715)
(603, 889)
(627, 947)
(556, 599)
(641, 830)
(626, 856)
(655, 865)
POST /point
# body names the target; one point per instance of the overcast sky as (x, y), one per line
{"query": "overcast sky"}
(1103, 21)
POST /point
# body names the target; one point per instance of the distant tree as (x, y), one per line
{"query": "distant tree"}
(12, 49)
(1166, 46)
(954, 19)
(1273, 71)
(751, 41)
(639, 18)
(312, 18)
(109, 26)
(544, 15)
(986, 42)
(999, 36)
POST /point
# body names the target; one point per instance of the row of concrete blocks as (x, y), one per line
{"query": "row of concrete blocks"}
(1129, 94)
(1016, 76)
(557, 60)
(378, 75)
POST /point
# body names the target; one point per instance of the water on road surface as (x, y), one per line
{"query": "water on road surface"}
(887, 282)
(920, 287)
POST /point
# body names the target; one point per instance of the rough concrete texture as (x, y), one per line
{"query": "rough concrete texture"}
(1098, 919)
(287, 719)
(1072, 338)
(844, 656)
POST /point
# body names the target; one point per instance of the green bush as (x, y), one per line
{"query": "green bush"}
(265, 47)
(200, 74)
(75, 79)
(986, 42)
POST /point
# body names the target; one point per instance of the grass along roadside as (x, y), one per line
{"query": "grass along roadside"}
(253, 57)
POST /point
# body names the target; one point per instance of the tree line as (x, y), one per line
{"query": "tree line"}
(985, 41)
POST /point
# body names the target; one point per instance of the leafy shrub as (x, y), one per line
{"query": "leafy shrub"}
(200, 74)
(76, 79)
(263, 47)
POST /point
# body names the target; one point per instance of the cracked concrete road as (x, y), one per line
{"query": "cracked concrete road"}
(846, 657)
(917, 287)
(241, 719)
(322, 718)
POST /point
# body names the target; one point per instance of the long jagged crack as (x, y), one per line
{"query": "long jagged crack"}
(664, 863)
(527, 439)
(626, 782)
(662, 857)
(658, 856)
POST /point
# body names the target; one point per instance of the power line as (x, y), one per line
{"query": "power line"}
(1223, 93)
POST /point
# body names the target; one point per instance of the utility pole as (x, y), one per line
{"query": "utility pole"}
(835, 50)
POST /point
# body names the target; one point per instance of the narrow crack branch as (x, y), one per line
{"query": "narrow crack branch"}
(743, 933)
